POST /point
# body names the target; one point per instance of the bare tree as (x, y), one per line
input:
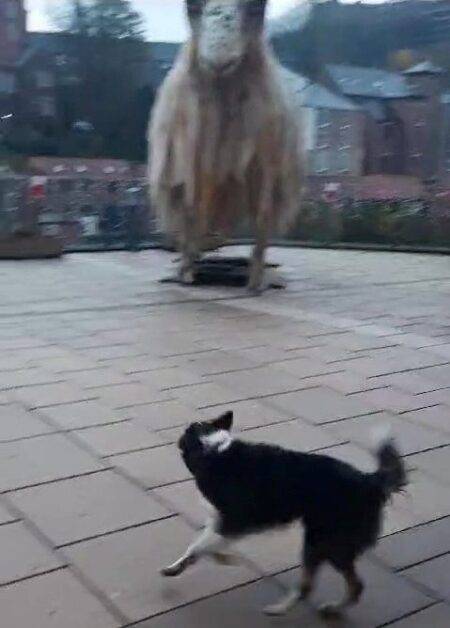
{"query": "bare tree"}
(106, 47)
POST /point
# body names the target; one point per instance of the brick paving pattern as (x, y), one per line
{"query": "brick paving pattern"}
(101, 367)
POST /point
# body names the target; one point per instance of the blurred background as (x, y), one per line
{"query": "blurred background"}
(78, 80)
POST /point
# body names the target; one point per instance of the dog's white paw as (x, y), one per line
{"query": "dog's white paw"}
(275, 610)
(177, 568)
(171, 571)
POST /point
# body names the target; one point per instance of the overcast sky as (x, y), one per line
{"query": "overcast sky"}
(164, 18)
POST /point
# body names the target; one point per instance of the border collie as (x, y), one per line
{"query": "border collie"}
(255, 487)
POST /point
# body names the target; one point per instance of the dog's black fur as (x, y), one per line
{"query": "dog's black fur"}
(255, 487)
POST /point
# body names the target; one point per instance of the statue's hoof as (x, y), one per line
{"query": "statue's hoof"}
(187, 277)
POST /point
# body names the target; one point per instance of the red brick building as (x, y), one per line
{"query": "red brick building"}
(405, 117)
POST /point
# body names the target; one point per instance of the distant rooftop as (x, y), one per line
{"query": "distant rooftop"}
(313, 95)
(426, 67)
(370, 82)
(293, 20)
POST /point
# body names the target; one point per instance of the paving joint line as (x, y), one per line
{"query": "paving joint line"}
(409, 370)
(24, 487)
(256, 397)
(407, 615)
(85, 582)
(45, 572)
(60, 403)
(109, 533)
(421, 562)
(249, 582)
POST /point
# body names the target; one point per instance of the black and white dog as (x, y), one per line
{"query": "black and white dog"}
(255, 487)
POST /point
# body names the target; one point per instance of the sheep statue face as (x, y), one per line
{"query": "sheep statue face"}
(223, 32)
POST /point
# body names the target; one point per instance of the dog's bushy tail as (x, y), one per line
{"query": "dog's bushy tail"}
(391, 473)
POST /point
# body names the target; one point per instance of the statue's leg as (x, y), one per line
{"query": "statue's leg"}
(262, 225)
(189, 246)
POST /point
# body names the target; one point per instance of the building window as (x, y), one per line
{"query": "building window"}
(343, 161)
(323, 119)
(11, 10)
(62, 59)
(388, 130)
(345, 131)
(45, 106)
(322, 161)
(323, 128)
(44, 79)
(12, 31)
(7, 83)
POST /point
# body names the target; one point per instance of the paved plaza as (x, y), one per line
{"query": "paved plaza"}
(101, 367)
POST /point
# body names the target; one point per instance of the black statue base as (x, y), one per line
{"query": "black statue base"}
(224, 271)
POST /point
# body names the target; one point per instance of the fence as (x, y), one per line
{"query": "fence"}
(100, 214)
(84, 213)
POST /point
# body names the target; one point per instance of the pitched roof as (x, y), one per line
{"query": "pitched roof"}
(313, 95)
(292, 20)
(369, 82)
(319, 97)
(426, 67)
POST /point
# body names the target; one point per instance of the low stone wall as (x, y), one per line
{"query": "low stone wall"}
(33, 247)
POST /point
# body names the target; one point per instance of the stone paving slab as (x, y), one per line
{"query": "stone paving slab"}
(434, 463)
(154, 467)
(84, 507)
(296, 435)
(16, 423)
(83, 414)
(23, 555)
(6, 516)
(118, 438)
(239, 608)
(321, 405)
(103, 367)
(411, 437)
(167, 414)
(424, 500)
(437, 616)
(434, 574)
(54, 600)
(42, 459)
(437, 417)
(416, 545)
(27, 377)
(252, 413)
(41, 396)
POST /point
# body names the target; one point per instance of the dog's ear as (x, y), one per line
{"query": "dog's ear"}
(224, 421)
